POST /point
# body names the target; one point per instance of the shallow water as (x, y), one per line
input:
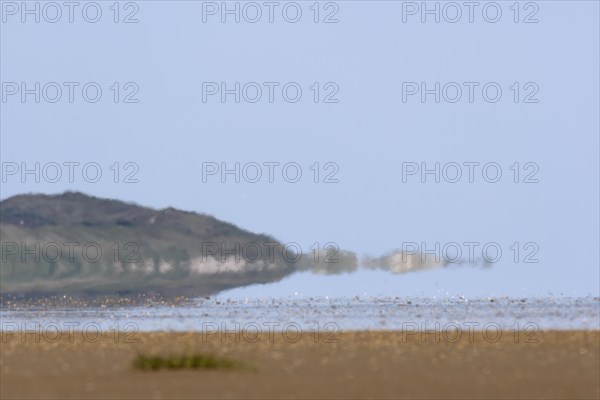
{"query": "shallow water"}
(358, 313)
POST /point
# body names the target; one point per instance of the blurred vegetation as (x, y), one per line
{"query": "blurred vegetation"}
(197, 361)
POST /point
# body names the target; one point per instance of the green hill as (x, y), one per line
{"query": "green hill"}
(82, 245)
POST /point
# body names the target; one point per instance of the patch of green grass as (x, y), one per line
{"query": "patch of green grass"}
(197, 361)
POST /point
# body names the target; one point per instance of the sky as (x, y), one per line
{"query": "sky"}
(365, 103)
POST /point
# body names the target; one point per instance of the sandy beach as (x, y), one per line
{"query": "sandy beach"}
(382, 364)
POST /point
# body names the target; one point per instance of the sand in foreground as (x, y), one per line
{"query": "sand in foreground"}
(563, 364)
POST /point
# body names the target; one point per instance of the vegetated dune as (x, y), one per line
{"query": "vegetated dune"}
(78, 245)
(81, 245)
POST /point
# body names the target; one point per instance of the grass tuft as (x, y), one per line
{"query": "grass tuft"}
(197, 361)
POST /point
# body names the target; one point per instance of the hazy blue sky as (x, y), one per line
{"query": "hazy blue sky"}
(369, 133)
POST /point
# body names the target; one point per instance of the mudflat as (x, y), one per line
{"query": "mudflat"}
(362, 364)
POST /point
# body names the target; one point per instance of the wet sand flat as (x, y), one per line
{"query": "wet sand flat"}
(362, 364)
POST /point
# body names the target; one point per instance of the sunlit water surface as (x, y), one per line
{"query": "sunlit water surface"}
(357, 313)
